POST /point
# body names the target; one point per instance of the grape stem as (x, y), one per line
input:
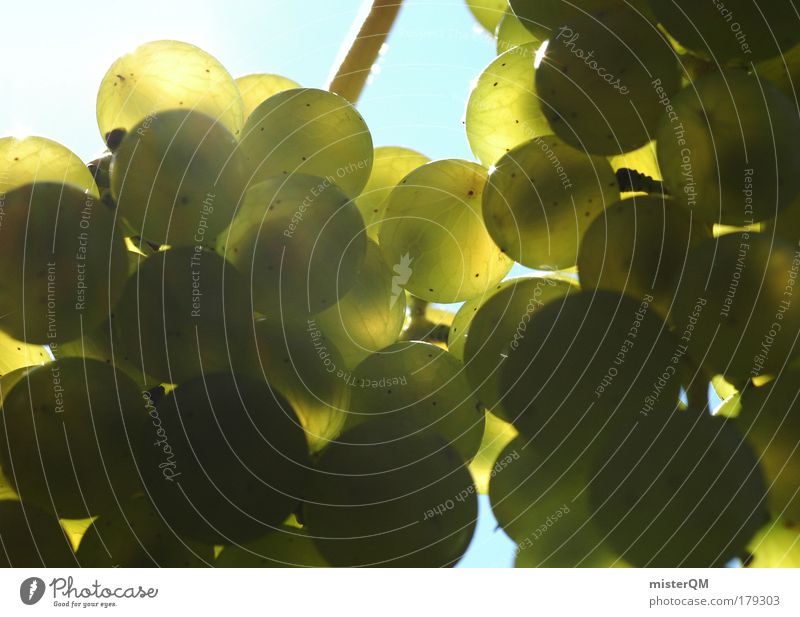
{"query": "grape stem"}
(361, 48)
(634, 181)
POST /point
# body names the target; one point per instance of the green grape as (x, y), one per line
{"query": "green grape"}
(224, 459)
(587, 364)
(498, 328)
(137, 537)
(776, 545)
(679, 491)
(604, 80)
(733, 308)
(512, 32)
(15, 354)
(786, 223)
(309, 131)
(488, 12)
(178, 178)
(370, 316)
(642, 160)
(783, 71)
(503, 109)
(375, 501)
(434, 236)
(31, 538)
(541, 16)
(459, 328)
(418, 388)
(640, 247)
(770, 421)
(299, 241)
(496, 437)
(728, 151)
(743, 30)
(38, 159)
(258, 87)
(163, 75)
(425, 322)
(391, 165)
(541, 197)
(297, 362)
(62, 263)
(283, 547)
(541, 502)
(182, 314)
(64, 442)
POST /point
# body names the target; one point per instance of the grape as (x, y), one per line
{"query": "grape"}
(374, 501)
(734, 30)
(434, 236)
(541, 502)
(496, 437)
(776, 545)
(488, 12)
(459, 328)
(640, 247)
(224, 459)
(295, 360)
(512, 32)
(178, 178)
(281, 548)
(163, 75)
(642, 160)
(503, 109)
(62, 263)
(309, 131)
(38, 159)
(418, 388)
(137, 537)
(734, 309)
(182, 315)
(258, 87)
(681, 491)
(541, 16)
(728, 150)
(541, 197)
(31, 538)
(299, 241)
(587, 364)
(498, 328)
(786, 224)
(370, 316)
(64, 442)
(602, 80)
(16, 354)
(770, 420)
(783, 71)
(391, 165)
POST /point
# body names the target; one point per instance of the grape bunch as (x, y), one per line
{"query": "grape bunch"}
(229, 339)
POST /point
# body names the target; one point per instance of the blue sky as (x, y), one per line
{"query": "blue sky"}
(56, 53)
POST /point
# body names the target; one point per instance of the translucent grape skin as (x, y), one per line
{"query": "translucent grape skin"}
(299, 242)
(770, 422)
(163, 75)
(224, 459)
(283, 547)
(678, 492)
(178, 178)
(459, 328)
(32, 538)
(309, 131)
(727, 152)
(488, 12)
(418, 388)
(599, 95)
(390, 166)
(541, 16)
(541, 197)
(511, 32)
(734, 30)
(776, 545)
(184, 313)
(62, 263)
(503, 109)
(38, 159)
(640, 247)
(434, 236)
(65, 437)
(258, 87)
(733, 307)
(370, 316)
(374, 501)
(497, 329)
